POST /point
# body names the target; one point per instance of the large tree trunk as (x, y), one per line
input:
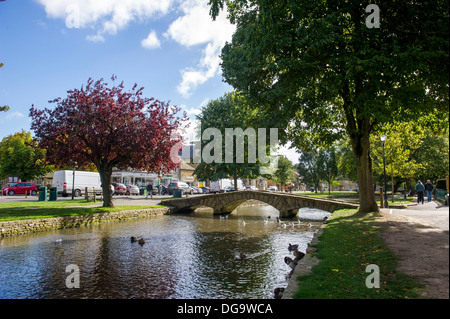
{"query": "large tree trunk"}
(361, 151)
(105, 177)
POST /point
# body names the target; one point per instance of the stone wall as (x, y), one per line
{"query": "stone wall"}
(17, 227)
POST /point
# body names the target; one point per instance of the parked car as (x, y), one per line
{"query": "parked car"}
(20, 188)
(155, 190)
(132, 190)
(229, 189)
(197, 190)
(119, 189)
(272, 188)
(205, 190)
(251, 188)
(180, 185)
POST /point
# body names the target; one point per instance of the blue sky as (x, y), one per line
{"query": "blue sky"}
(170, 47)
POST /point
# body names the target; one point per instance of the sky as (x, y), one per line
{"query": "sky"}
(169, 47)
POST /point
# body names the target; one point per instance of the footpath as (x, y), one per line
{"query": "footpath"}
(419, 236)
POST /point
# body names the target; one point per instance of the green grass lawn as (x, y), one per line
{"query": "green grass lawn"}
(37, 204)
(28, 210)
(347, 246)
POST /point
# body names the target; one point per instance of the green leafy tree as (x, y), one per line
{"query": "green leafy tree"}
(20, 156)
(322, 74)
(403, 139)
(228, 112)
(346, 161)
(433, 156)
(308, 169)
(285, 171)
(327, 166)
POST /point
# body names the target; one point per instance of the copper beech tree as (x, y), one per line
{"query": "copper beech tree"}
(109, 127)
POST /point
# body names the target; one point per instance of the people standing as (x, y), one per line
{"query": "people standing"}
(150, 190)
(419, 189)
(429, 189)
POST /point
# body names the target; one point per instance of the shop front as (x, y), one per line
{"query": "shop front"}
(141, 178)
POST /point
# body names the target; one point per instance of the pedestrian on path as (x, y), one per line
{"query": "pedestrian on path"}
(419, 189)
(150, 190)
(429, 189)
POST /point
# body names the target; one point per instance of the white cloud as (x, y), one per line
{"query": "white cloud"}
(104, 16)
(151, 42)
(196, 27)
(291, 153)
(15, 115)
(193, 27)
(95, 38)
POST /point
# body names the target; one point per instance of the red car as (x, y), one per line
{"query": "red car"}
(119, 189)
(20, 188)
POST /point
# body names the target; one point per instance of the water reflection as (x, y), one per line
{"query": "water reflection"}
(194, 256)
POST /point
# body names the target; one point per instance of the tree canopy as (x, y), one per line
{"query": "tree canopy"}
(20, 156)
(109, 127)
(320, 73)
(230, 112)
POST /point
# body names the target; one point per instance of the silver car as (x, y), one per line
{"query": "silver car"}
(132, 190)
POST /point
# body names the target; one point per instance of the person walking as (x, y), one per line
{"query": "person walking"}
(150, 190)
(429, 189)
(419, 189)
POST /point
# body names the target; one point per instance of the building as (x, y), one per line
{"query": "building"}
(141, 178)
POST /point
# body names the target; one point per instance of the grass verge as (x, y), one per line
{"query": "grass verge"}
(347, 246)
(43, 204)
(18, 213)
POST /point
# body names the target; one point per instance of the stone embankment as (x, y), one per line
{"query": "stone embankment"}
(17, 227)
(304, 266)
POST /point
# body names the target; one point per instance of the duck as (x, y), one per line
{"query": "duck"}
(325, 220)
(140, 240)
(298, 255)
(278, 292)
(291, 263)
(292, 247)
(242, 256)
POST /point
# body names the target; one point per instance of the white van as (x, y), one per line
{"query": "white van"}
(63, 181)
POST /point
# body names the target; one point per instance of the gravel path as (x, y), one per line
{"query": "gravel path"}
(419, 235)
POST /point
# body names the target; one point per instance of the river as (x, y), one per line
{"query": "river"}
(184, 256)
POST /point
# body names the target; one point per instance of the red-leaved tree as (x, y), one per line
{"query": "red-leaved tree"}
(109, 127)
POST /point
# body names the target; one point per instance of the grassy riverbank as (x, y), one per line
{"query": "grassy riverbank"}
(36, 210)
(348, 245)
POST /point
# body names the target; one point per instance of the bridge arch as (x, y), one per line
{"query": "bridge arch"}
(287, 204)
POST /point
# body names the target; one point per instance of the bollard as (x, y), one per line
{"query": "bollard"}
(25, 194)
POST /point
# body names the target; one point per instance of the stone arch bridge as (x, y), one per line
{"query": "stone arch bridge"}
(287, 204)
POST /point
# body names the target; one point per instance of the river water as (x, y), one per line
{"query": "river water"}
(184, 256)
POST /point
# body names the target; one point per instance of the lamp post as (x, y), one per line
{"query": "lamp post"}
(73, 180)
(383, 140)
